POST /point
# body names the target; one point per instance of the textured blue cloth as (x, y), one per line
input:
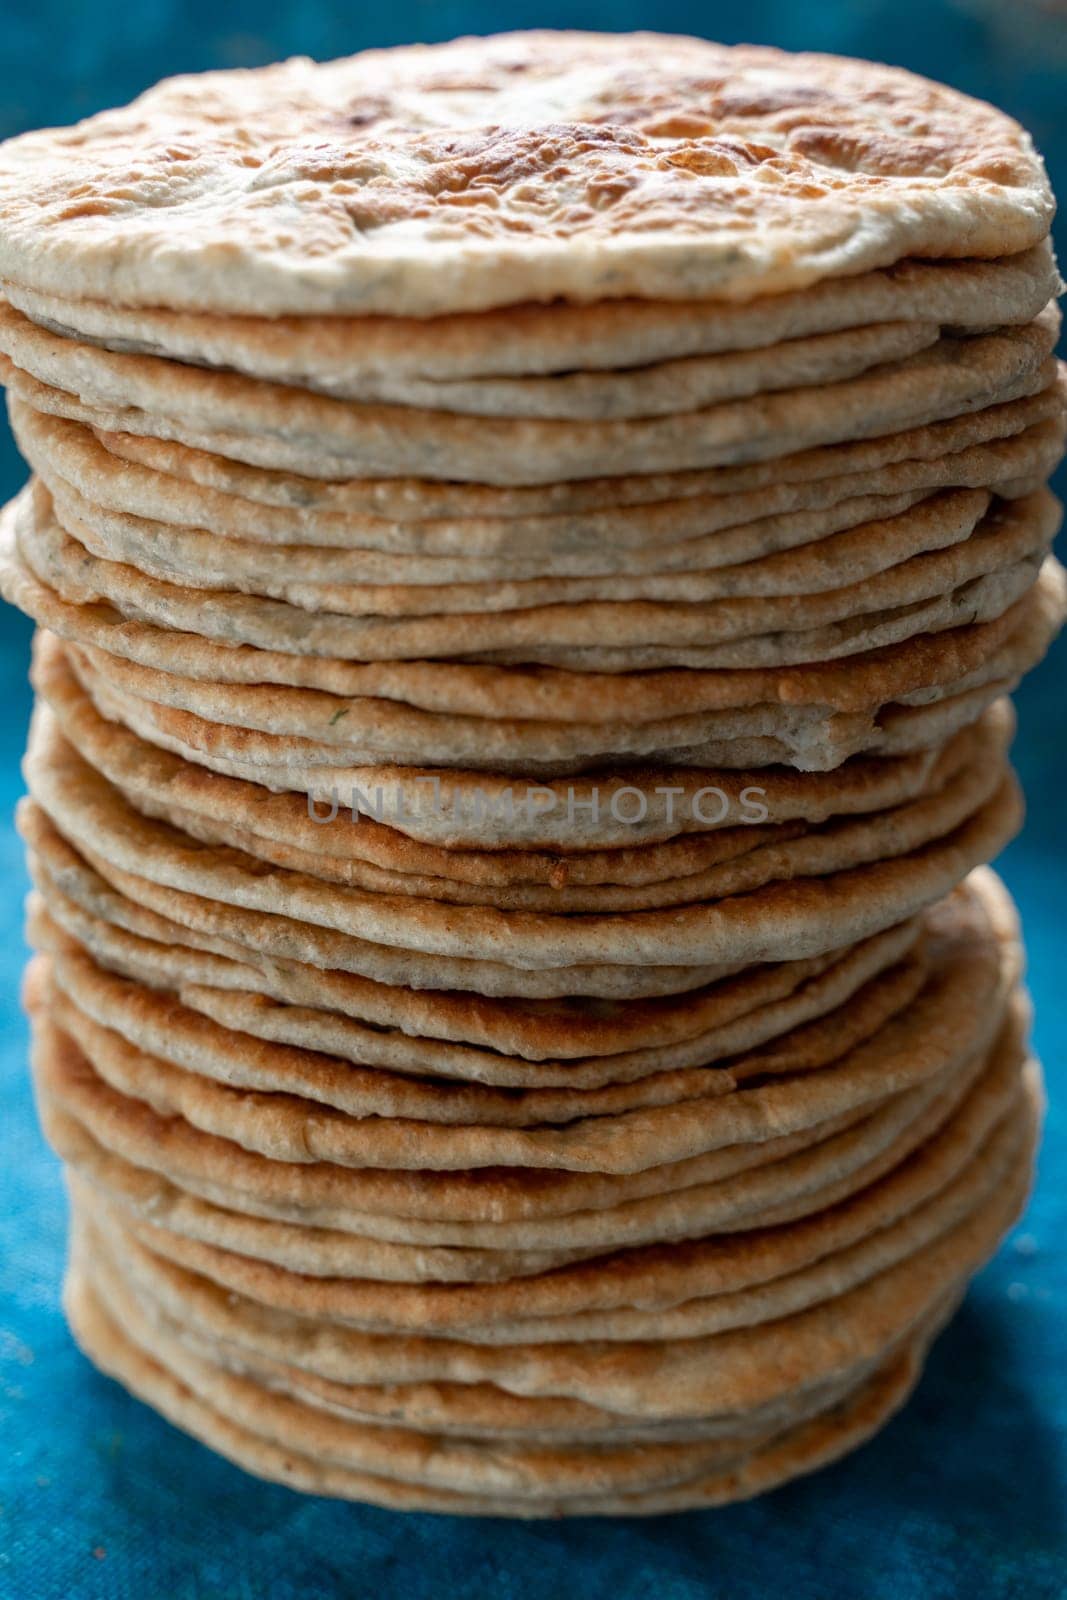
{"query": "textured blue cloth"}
(962, 1496)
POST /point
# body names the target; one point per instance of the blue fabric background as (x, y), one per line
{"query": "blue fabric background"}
(964, 1494)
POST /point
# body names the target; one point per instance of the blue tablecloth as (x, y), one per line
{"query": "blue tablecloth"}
(963, 1495)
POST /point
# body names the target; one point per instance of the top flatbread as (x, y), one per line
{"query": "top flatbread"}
(531, 166)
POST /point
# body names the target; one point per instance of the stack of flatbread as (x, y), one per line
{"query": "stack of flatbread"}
(530, 540)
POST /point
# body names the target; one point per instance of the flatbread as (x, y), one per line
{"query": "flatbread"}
(373, 854)
(207, 1040)
(960, 556)
(293, 507)
(690, 1286)
(282, 1115)
(517, 1211)
(666, 1291)
(525, 720)
(737, 1369)
(292, 429)
(472, 1411)
(575, 811)
(810, 1446)
(711, 171)
(660, 389)
(115, 509)
(575, 1044)
(332, 701)
(773, 916)
(420, 567)
(342, 355)
(173, 1179)
(157, 782)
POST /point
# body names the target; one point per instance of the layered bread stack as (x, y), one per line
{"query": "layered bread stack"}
(530, 540)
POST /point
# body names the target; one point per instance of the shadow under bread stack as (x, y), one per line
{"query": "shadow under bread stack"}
(530, 540)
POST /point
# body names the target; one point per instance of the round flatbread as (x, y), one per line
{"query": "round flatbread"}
(611, 166)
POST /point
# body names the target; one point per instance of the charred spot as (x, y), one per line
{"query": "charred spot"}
(507, 157)
(607, 188)
(376, 207)
(996, 166)
(678, 125)
(364, 113)
(329, 164)
(745, 151)
(84, 208)
(703, 162)
(764, 100)
(879, 154)
(722, 157)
